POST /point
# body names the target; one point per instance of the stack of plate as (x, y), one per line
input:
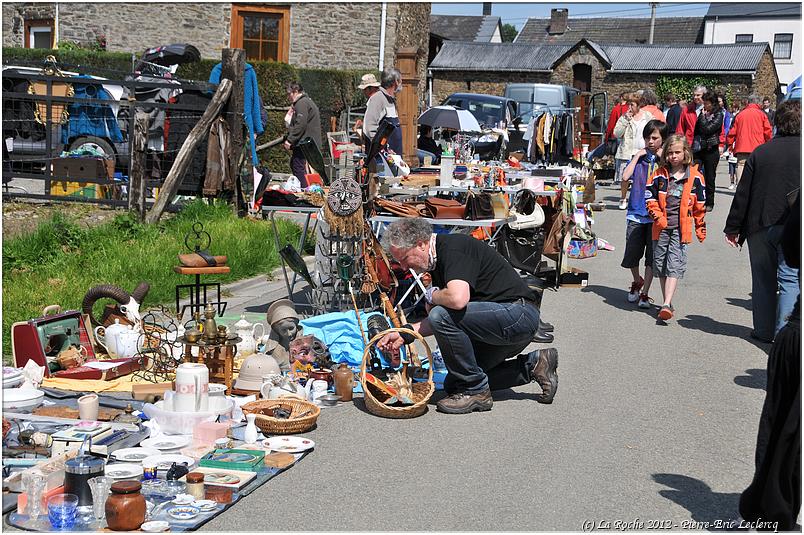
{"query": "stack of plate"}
(12, 377)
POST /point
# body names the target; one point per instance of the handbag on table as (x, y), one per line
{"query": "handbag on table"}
(445, 208)
(478, 206)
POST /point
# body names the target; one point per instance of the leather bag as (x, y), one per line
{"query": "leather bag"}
(527, 213)
(522, 248)
(401, 209)
(445, 208)
(478, 206)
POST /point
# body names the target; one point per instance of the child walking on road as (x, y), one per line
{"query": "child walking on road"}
(639, 223)
(676, 201)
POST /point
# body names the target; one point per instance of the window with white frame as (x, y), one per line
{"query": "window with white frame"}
(782, 45)
(39, 33)
(744, 38)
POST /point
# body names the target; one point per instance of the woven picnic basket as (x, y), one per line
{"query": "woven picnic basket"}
(422, 391)
(281, 426)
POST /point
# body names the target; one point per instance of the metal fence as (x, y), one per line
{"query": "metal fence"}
(33, 166)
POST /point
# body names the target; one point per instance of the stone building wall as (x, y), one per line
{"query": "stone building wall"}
(133, 27)
(766, 82)
(413, 31)
(336, 36)
(562, 74)
(491, 83)
(15, 15)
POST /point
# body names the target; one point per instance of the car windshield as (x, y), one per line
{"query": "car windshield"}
(487, 113)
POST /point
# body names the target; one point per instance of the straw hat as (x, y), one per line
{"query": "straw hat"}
(279, 310)
(368, 80)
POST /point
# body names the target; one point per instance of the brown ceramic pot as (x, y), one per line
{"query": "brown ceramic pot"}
(125, 507)
(323, 374)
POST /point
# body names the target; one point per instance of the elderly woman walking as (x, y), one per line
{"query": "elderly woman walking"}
(629, 133)
(761, 204)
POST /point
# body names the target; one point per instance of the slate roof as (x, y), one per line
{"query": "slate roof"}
(455, 56)
(477, 28)
(675, 30)
(753, 11)
(517, 57)
(743, 57)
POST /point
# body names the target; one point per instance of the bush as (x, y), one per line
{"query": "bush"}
(107, 64)
(683, 87)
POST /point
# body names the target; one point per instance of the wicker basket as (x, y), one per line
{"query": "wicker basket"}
(422, 392)
(276, 426)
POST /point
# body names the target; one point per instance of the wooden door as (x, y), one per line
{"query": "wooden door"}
(407, 102)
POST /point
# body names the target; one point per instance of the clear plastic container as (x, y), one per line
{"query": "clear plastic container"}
(182, 423)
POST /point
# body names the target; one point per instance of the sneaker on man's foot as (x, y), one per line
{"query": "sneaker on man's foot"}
(644, 301)
(546, 374)
(732, 186)
(633, 293)
(666, 312)
(464, 403)
(623, 204)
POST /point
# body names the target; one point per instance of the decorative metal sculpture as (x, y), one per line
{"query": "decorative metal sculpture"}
(159, 346)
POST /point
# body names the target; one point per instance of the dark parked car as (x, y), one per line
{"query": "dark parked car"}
(491, 112)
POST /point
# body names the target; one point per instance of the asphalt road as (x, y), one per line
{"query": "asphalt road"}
(651, 423)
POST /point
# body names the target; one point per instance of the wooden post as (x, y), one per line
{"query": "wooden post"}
(199, 131)
(233, 67)
(136, 181)
(407, 103)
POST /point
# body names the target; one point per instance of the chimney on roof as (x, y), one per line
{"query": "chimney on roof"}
(486, 8)
(558, 21)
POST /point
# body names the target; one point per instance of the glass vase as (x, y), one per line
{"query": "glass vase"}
(100, 488)
(33, 485)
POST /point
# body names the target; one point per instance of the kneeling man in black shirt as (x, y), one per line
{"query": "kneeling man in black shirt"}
(480, 312)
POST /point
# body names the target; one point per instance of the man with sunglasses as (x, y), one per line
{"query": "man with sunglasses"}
(479, 310)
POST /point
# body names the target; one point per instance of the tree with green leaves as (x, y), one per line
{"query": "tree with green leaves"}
(508, 33)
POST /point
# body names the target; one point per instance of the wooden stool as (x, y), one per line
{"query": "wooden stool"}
(219, 358)
(196, 289)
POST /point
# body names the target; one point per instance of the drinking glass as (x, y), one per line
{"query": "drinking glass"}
(33, 485)
(61, 510)
(100, 488)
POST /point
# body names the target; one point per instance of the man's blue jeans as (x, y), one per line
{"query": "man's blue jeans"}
(477, 341)
(774, 284)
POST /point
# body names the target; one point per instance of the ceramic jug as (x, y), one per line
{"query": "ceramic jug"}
(344, 381)
(248, 335)
(192, 388)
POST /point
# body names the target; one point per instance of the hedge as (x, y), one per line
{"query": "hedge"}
(333, 90)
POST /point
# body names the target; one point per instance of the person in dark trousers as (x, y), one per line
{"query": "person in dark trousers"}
(758, 212)
(303, 120)
(426, 145)
(774, 495)
(707, 135)
(769, 112)
(479, 310)
(672, 112)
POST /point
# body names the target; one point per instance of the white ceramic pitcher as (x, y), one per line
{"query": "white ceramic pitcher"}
(192, 388)
(118, 340)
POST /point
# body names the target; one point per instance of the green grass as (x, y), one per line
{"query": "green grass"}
(59, 261)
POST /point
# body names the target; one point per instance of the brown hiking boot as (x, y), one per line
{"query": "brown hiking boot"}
(546, 374)
(463, 402)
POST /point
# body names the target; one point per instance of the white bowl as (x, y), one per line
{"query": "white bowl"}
(22, 399)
